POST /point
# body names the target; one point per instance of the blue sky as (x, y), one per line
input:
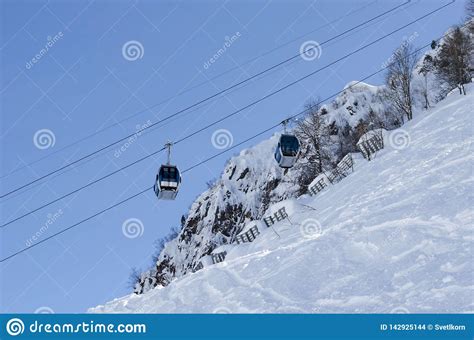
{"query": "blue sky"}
(84, 83)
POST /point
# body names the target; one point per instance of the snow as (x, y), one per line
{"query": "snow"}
(394, 235)
(361, 86)
(290, 206)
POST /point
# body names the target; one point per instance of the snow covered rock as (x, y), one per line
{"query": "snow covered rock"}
(249, 183)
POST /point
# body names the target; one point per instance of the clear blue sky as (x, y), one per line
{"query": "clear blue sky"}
(84, 83)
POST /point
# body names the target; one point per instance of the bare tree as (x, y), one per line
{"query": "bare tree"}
(453, 61)
(426, 68)
(134, 278)
(398, 79)
(313, 134)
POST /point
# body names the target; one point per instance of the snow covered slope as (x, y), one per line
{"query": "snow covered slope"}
(394, 236)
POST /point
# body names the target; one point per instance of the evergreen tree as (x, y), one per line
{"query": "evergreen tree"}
(453, 61)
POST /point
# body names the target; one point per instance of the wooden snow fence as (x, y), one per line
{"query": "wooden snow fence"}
(276, 217)
(317, 187)
(248, 236)
(199, 266)
(219, 257)
(370, 146)
(208, 260)
(343, 168)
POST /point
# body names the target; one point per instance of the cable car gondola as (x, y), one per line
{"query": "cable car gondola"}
(287, 149)
(167, 180)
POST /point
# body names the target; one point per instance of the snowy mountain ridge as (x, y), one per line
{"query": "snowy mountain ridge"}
(252, 181)
(394, 236)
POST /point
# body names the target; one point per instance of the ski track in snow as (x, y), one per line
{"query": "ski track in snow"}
(396, 236)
